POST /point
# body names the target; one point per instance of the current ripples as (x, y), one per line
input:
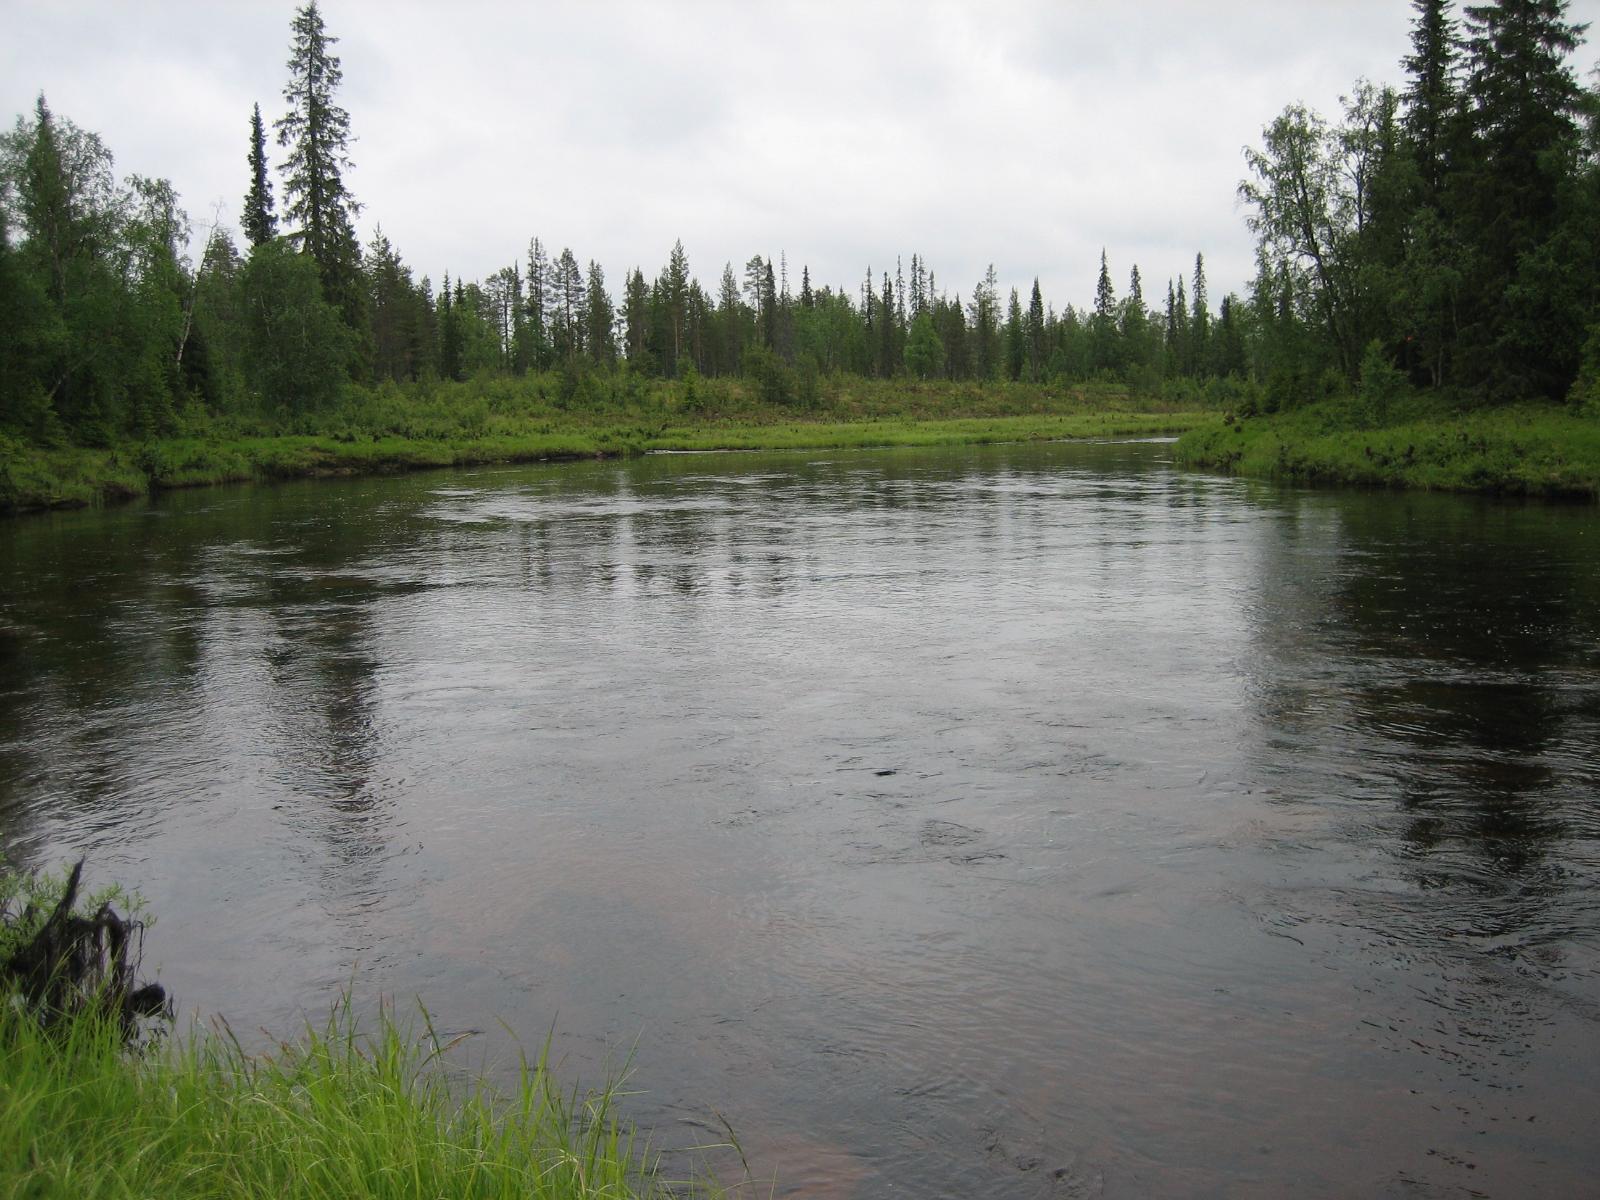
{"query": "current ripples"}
(1016, 821)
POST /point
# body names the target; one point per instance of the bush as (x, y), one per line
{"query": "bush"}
(773, 381)
(1585, 393)
(1382, 384)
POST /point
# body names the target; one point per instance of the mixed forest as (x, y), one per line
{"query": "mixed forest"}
(1440, 238)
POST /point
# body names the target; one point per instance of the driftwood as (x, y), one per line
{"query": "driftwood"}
(75, 964)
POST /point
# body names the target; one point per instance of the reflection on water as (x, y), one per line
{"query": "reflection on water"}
(1018, 821)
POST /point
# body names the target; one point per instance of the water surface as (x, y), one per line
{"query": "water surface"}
(1015, 821)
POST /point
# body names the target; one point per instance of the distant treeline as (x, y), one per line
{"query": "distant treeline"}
(1449, 232)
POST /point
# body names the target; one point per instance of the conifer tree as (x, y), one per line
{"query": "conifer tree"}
(1103, 325)
(1199, 319)
(601, 319)
(1524, 101)
(316, 133)
(1432, 99)
(260, 225)
(1036, 331)
(1015, 339)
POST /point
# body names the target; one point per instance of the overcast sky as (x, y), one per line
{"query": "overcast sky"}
(840, 134)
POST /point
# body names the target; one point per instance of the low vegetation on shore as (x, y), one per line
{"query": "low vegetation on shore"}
(553, 417)
(1416, 441)
(93, 1106)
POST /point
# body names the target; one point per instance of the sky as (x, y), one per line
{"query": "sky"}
(1024, 133)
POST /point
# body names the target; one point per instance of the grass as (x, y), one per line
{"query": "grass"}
(1424, 442)
(503, 420)
(336, 1114)
(91, 1105)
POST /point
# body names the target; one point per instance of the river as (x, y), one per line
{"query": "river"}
(1019, 821)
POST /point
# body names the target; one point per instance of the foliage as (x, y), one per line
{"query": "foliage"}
(1535, 448)
(1453, 224)
(295, 346)
(1382, 383)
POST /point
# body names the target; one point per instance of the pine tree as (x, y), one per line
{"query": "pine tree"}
(316, 132)
(260, 225)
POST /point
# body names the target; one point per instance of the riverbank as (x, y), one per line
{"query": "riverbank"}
(97, 1099)
(332, 1114)
(1427, 443)
(476, 424)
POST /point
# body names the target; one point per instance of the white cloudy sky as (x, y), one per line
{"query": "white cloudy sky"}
(1028, 134)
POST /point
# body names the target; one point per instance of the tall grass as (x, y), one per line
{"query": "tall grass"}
(336, 1114)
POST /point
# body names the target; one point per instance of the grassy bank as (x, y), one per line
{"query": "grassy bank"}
(89, 1106)
(332, 1115)
(546, 419)
(1530, 449)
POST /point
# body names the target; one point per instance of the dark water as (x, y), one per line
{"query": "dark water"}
(1017, 822)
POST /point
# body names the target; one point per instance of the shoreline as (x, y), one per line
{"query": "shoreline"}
(1532, 449)
(36, 480)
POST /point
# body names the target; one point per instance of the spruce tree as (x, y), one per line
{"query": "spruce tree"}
(260, 225)
(1103, 326)
(316, 133)
(1432, 98)
(1524, 101)
(1200, 319)
(1036, 330)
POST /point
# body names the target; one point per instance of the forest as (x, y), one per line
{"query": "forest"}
(1442, 237)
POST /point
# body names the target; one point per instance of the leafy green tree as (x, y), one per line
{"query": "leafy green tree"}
(105, 347)
(296, 344)
(219, 319)
(29, 335)
(1315, 196)
(260, 224)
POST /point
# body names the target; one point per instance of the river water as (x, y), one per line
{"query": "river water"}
(1021, 821)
